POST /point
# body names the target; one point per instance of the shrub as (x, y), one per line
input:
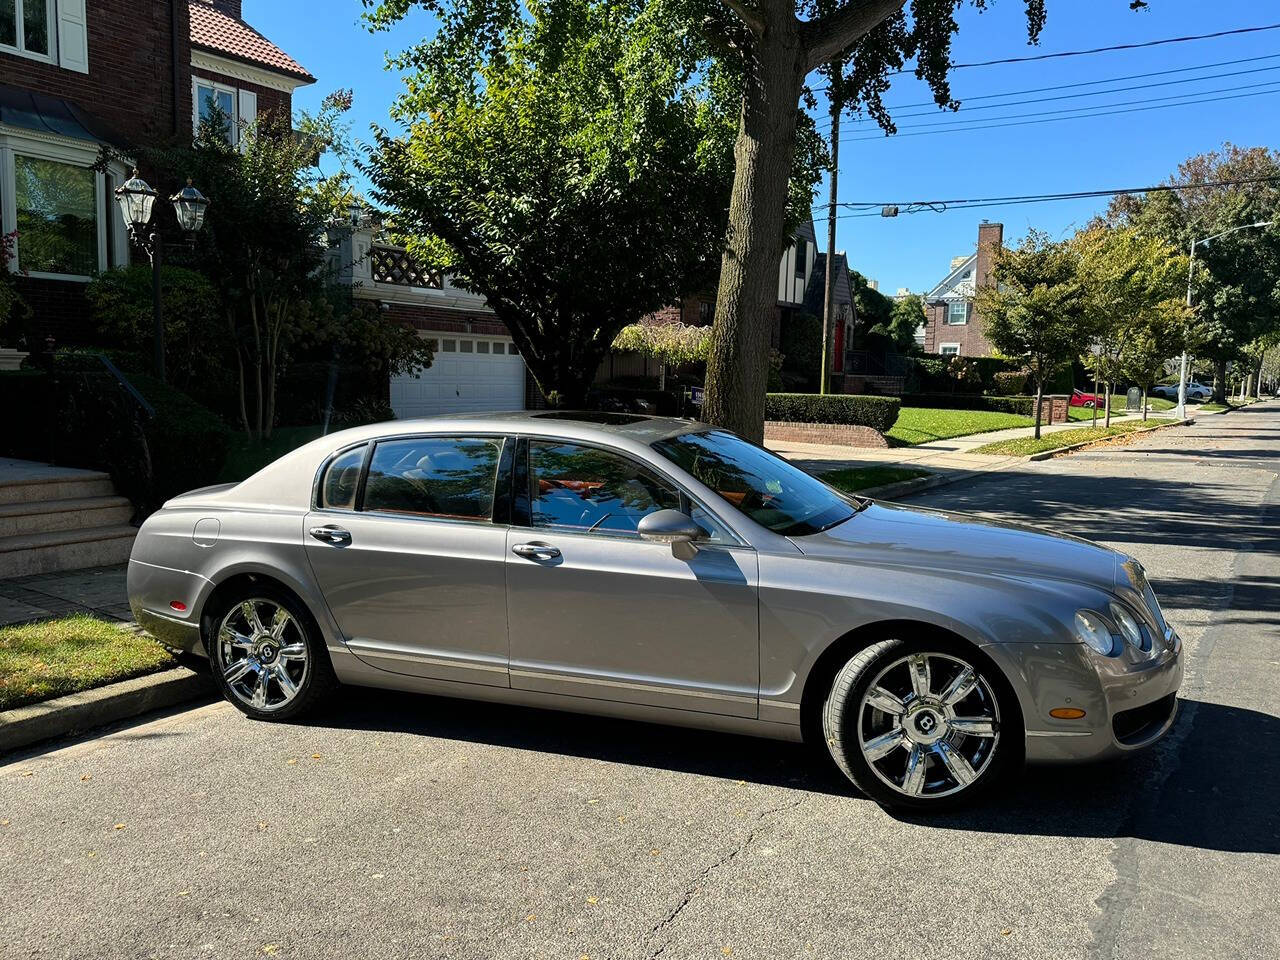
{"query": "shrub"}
(1010, 383)
(879, 413)
(961, 401)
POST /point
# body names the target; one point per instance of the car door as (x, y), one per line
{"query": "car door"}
(597, 612)
(409, 558)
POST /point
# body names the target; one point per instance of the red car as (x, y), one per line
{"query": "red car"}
(1082, 399)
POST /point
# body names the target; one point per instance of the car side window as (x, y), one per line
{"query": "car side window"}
(592, 490)
(447, 477)
(338, 491)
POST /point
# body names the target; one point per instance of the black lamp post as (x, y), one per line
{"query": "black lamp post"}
(137, 200)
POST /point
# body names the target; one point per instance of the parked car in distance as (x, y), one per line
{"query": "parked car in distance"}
(667, 571)
(1195, 391)
(1081, 399)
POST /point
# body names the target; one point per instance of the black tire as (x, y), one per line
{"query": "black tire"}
(313, 681)
(842, 716)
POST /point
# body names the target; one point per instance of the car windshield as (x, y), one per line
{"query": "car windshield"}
(765, 487)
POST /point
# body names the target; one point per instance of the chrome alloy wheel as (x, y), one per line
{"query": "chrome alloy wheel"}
(928, 725)
(263, 654)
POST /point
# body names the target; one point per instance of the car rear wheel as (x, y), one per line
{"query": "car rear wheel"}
(266, 656)
(923, 724)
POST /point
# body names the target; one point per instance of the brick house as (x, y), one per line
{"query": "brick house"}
(953, 326)
(77, 76)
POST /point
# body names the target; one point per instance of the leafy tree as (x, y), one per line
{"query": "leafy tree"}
(12, 306)
(1034, 310)
(671, 344)
(1237, 297)
(263, 252)
(904, 320)
(1131, 285)
(570, 165)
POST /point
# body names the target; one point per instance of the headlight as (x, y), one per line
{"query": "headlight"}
(1093, 630)
(1129, 628)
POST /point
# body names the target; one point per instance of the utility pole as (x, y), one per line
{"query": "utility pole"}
(829, 289)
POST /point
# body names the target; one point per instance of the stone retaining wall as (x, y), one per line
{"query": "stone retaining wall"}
(837, 433)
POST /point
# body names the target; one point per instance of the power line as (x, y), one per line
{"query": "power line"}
(1084, 53)
(975, 203)
(958, 128)
(966, 124)
(1092, 83)
(1091, 93)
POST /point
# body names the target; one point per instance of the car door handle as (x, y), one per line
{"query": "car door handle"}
(535, 551)
(334, 535)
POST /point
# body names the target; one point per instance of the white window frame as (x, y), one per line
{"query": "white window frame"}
(951, 321)
(196, 84)
(52, 28)
(948, 349)
(16, 142)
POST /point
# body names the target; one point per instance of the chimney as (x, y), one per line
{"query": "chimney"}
(990, 240)
(230, 7)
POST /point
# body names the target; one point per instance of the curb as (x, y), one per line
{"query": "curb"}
(902, 488)
(75, 712)
(1058, 451)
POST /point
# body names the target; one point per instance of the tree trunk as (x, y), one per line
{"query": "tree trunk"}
(1106, 399)
(1220, 381)
(1144, 403)
(737, 365)
(1257, 380)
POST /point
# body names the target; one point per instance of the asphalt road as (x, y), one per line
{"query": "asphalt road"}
(413, 827)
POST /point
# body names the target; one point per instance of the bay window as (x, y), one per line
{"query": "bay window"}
(57, 217)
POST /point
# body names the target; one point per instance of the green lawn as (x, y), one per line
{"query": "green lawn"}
(1026, 446)
(1118, 406)
(853, 479)
(40, 661)
(245, 458)
(918, 425)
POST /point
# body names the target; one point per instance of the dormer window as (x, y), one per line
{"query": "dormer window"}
(25, 27)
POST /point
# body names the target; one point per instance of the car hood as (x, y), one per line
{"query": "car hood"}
(891, 534)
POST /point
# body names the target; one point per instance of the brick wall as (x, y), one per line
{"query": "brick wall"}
(130, 80)
(58, 310)
(829, 433)
(973, 342)
(423, 317)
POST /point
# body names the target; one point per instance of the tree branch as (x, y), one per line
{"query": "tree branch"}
(748, 15)
(830, 35)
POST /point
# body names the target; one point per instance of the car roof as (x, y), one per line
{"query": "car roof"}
(571, 424)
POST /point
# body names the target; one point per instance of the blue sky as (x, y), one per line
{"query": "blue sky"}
(1097, 152)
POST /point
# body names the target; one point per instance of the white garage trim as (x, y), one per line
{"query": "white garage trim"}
(471, 373)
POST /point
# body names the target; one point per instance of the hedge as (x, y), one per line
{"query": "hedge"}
(970, 401)
(879, 413)
(1010, 383)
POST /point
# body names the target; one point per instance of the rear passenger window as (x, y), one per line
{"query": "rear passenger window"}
(338, 492)
(449, 477)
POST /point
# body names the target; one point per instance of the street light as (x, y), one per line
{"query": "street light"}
(1181, 412)
(137, 199)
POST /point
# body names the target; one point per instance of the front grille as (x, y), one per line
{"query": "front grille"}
(1141, 723)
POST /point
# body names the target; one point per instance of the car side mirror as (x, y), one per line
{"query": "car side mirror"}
(669, 526)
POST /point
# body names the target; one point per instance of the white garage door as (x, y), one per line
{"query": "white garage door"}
(469, 374)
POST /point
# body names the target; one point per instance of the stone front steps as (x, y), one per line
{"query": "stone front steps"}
(58, 518)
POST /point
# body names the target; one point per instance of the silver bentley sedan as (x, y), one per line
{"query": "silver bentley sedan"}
(667, 571)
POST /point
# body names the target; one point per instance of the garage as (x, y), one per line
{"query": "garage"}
(470, 374)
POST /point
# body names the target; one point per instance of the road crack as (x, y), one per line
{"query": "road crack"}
(700, 878)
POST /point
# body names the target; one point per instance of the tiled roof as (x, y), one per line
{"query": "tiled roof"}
(217, 31)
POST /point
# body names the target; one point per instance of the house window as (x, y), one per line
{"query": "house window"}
(802, 255)
(25, 26)
(238, 108)
(958, 312)
(949, 349)
(57, 217)
(706, 312)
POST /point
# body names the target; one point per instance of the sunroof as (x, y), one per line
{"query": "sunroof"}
(603, 417)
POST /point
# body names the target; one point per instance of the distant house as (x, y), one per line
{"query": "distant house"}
(953, 326)
(815, 303)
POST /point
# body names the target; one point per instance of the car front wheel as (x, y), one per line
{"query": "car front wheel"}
(266, 656)
(921, 724)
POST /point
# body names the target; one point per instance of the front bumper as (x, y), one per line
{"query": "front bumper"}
(1129, 705)
(152, 589)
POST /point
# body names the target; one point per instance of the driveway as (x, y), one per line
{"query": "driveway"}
(413, 827)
